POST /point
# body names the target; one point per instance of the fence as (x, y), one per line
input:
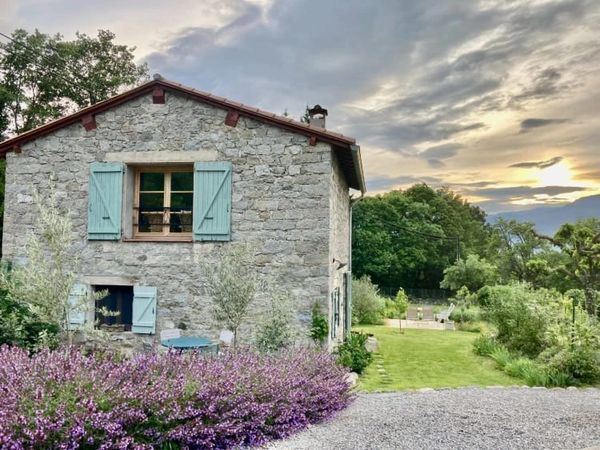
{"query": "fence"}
(420, 295)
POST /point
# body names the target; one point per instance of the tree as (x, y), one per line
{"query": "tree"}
(42, 76)
(367, 304)
(44, 283)
(98, 68)
(472, 273)
(580, 242)
(513, 244)
(407, 238)
(232, 283)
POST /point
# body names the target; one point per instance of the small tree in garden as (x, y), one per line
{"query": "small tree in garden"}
(43, 284)
(276, 331)
(231, 283)
(473, 273)
(40, 288)
(367, 305)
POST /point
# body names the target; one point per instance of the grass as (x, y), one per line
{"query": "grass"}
(427, 358)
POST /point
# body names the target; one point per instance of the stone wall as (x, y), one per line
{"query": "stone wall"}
(281, 203)
(339, 247)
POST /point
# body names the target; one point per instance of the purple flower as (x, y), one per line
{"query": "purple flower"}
(64, 399)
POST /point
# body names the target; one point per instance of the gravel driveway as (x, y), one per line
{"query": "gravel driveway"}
(469, 418)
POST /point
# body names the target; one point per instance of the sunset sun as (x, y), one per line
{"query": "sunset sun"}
(557, 175)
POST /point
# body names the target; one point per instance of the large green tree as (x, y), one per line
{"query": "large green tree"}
(43, 76)
(407, 238)
(580, 243)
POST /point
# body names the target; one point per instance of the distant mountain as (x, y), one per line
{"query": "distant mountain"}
(548, 219)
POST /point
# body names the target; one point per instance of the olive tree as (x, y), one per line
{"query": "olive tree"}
(232, 283)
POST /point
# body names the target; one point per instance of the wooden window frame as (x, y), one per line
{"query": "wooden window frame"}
(166, 235)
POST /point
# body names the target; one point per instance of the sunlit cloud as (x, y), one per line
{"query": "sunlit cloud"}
(497, 100)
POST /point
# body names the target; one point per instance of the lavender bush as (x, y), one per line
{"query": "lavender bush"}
(64, 399)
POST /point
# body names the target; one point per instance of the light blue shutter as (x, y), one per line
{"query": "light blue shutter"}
(144, 310)
(77, 306)
(104, 201)
(212, 201)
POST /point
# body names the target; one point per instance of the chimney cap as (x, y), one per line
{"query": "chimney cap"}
(317, 109)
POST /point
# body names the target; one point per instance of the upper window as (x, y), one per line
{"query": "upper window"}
(151, 203)
(164, 199)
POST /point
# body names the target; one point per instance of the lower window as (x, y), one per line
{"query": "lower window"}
(119, 303)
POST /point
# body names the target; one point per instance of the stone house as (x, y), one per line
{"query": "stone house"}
(161, 177)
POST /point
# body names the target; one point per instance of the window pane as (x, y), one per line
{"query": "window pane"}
(182, 181)
(151, 202)
(151, 212)
(152, 181)
(181, 213)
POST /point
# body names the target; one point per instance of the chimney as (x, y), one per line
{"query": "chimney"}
(317, 115)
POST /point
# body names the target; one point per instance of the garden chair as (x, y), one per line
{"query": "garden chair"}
(412, 313)
(428, 313)
(225, 339)
(445, 315)
(170, 334)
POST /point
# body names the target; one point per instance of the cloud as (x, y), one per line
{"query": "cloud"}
(528, 124)
(443, 151)
(388, 183)
(522, 192)
(538, 164)
(449, 77)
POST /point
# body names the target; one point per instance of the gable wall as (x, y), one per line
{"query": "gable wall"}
(281, 205)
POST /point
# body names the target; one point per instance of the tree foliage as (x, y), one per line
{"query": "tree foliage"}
(232, 283)
(472, 273)
(396, 235)
(580, 243)
(42, 76)
(367, 305)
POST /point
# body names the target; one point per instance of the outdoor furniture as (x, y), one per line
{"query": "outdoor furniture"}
(428, 313)
(445, 315)
(187, 343)
(170, 334)
(225, 339)
(412, 313)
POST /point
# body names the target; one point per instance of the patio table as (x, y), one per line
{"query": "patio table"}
(187, 343)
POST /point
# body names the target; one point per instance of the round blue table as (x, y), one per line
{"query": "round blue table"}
(187, 343)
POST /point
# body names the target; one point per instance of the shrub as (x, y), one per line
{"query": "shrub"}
(502, 356)
(484, 345)
(472, 273)
(474, 327)
(367, 305)
(352, 353)
(319, 327)
(522, 316)
(466, 314)
(275, 331)
(396, 308)
(20, 326)
(63, 399)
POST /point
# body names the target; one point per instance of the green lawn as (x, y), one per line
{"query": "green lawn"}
(427, 358)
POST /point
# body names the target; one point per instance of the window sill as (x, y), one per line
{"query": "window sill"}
(159, 239)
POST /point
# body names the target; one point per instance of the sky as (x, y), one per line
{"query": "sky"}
(499, 100)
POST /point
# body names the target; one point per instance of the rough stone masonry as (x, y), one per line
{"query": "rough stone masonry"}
(290, 202)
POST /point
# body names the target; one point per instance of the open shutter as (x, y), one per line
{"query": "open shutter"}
(212, 201)
(105, 198)
(77, 306)
(144, 310)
